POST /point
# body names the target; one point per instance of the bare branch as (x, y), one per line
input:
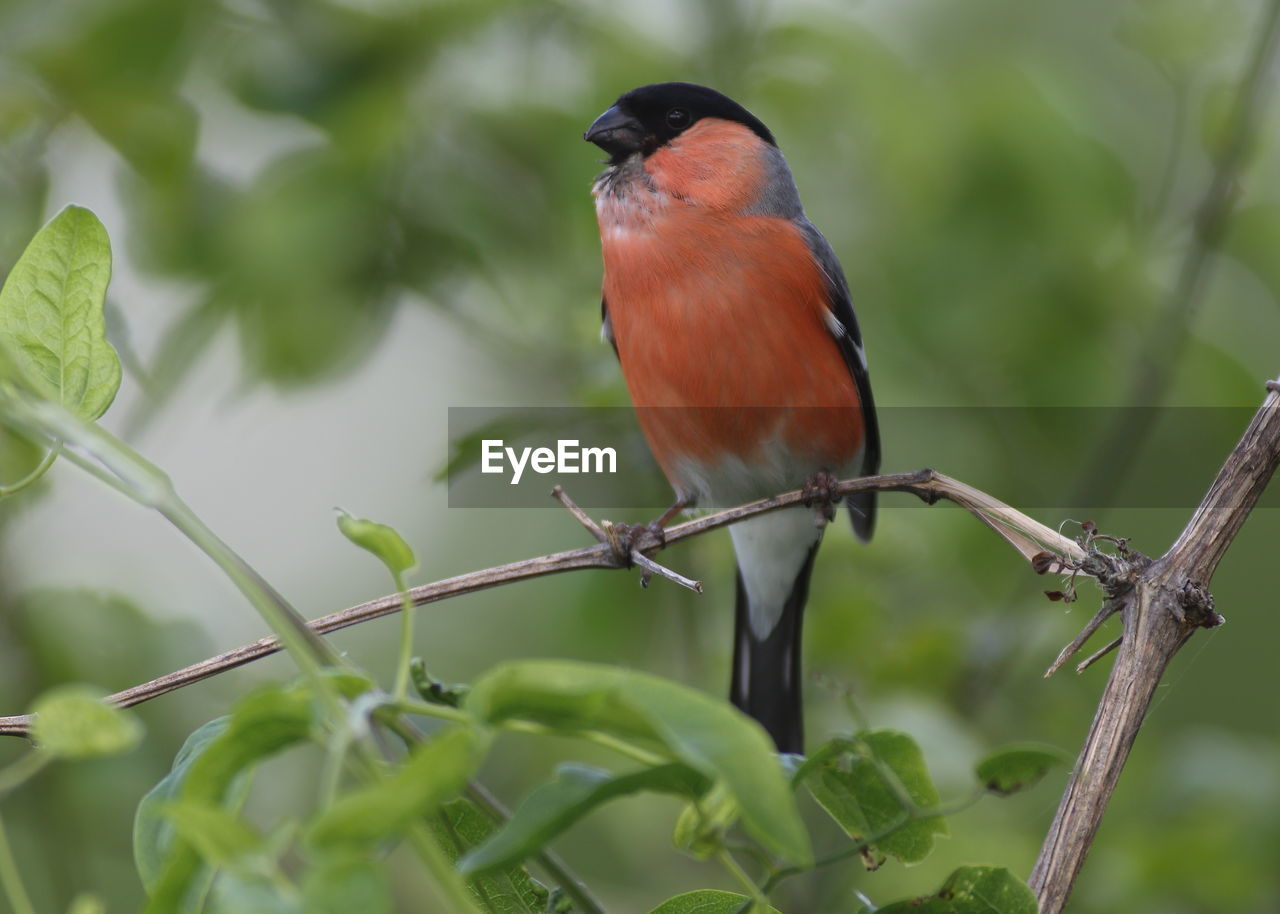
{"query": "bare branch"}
(1109, 609)
(1030, 537)
(1162, 603)
(1097, 655)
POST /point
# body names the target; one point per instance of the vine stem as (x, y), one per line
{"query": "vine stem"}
(758, 900)
(451, 884)
(22, 770)
(94, 449)
(40, 469)
(583, 901)
(406, 638)
(1045, 548)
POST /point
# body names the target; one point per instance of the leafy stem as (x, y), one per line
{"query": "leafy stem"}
(40, 469)
(583, 901)
(406, 637)
(758, 898)
(911, 812)
(442, 712)
(11, 878)
(608, 741)
(21, 771)
(109, 459)
(446, 878)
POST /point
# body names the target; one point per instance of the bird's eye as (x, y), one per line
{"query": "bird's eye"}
(678, 118)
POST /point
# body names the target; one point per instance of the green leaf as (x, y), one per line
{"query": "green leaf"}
(208, 769)
(553, 807)
(152, 830)
(261, 724)
(217, 835)
(1018, 767)
(708, 901)
(972, 890)
(707, 734)
(341, 885)
(381, 540)
(702, 825)
(875, 788)
(434, 773)
(449, 694)
(350, 684)
(73, 721)
(51, 318)
(253, 893)
(460, 826)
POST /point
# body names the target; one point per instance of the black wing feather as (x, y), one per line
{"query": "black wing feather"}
(606, 328)
(862, 506)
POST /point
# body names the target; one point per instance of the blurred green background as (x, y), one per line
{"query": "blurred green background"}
(334, 220)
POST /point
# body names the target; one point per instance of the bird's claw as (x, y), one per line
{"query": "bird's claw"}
(819, 492)
(627, 542)
(623, 540)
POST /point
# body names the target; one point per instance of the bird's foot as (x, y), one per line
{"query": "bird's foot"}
(629, 542)
(643, 537)
(626, 540)
(819, 492)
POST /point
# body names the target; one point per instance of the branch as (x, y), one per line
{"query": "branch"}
(1161, 604)
(1044, 547)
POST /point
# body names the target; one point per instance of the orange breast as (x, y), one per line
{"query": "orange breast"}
(720, 326)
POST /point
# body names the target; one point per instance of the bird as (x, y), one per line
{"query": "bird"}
(732, 323)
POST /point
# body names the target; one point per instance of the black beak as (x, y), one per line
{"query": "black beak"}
(617, 133)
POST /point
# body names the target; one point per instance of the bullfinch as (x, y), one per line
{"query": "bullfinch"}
(734, 329)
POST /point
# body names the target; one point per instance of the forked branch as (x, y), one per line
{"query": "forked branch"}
(1161, 604)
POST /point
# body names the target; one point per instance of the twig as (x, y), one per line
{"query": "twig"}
(652, 567)
(582, 516)
(1109, 609)
(1160, 609)
(1098, 655)
(620, 537)
(1028, 536)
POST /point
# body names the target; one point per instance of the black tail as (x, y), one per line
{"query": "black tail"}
(766, 673)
